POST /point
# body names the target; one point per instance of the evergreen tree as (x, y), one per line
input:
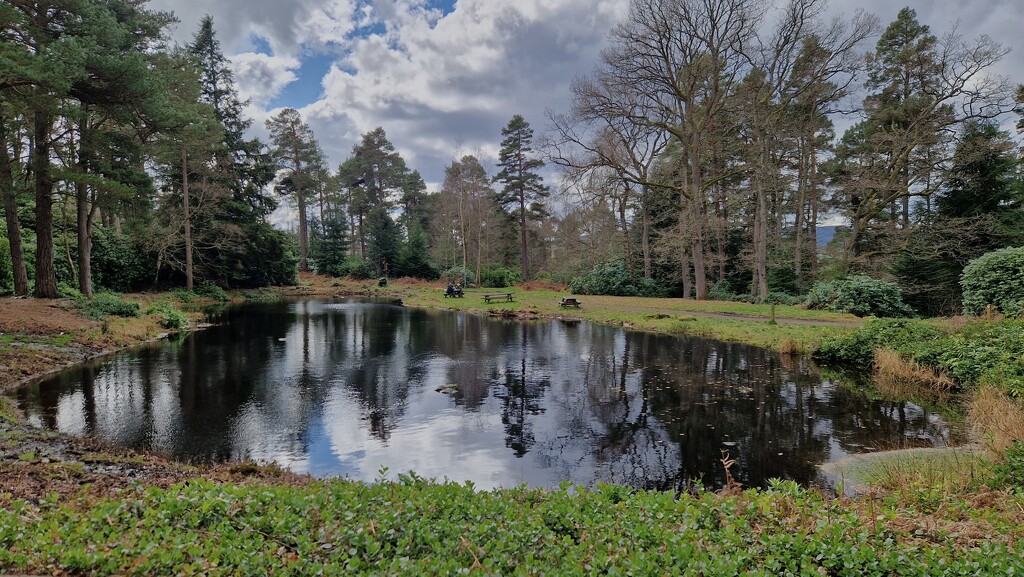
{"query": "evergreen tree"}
(415, 256)
(383, 242)
(374, 176)
(522, 187)
(330, 244)
(245, 169)
(980, 208)
(297, 152)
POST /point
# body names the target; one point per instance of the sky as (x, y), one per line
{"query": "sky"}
(442, 77)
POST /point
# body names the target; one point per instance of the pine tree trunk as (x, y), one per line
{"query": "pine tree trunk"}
(187, 208)
(812, 221)
(523, 254)
(11, 216)
(83, 213)
(801, 194)
(46, 276)
(303, 234)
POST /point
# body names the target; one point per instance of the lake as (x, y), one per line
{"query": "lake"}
(351, 388)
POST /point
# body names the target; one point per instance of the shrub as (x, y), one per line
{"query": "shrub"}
(168, 316)
(985, 352)
(6, 270)
(613, 278)
(105, 304)
(995, 278)
(211, 291)
(382, 281)
(721, 291)
(859, 295)
(499, 277)
(118, 263)
(779, 298)
(185, 296)
(458, 273)
(1010, 473)
(857, 348)
(357, 268)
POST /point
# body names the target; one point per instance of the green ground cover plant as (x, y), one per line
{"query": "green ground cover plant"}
(418, 527)
(168, 315)
(106, 304)
(981, 352)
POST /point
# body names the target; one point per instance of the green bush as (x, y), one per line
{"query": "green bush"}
(185, 296)
(168, 315)
(721, 291)
(211, 291)
(859, 295)
(1010, 473)
(6, 270)
(382, 281)
(458, 273)
(499, 277)
(779, 298)
(995, 278)
(105, 304)
(984, 352)
(118, 263)
(613, 278)
(357, 268)
(857, 348)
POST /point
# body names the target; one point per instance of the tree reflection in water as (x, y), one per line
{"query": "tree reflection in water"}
(348, 387)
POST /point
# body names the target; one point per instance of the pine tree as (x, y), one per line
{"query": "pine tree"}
(522, 187)
(296, 151)
(374, 175)
(330, 244)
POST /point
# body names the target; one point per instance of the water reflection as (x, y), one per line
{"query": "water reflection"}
(345, 388)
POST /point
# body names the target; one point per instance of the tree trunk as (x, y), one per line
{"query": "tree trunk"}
(186, 205)
(83, 212)
(645, 237)
(801, 193)
(46, 276)
(11, 216)
(523, 254)
(761, 227)
(626, 249)
(303, 233)
(697, 219)
(812, 222)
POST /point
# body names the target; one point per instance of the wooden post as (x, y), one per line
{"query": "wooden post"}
(773, 313)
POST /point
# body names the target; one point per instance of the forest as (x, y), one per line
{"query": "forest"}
(700, 158)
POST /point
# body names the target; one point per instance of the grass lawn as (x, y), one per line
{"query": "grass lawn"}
(795, 330)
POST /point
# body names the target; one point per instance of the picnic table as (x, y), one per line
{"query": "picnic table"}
(489, 298)
(570, 302)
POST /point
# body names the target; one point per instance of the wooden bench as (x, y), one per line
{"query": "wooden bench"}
(497, 297)
(570, 302)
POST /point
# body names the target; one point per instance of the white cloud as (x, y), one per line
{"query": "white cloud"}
(440, 83)
(260, 77)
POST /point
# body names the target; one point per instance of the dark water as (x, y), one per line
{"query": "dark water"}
(345, 388)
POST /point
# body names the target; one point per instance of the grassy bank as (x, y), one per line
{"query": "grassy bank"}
(793, 329)
(415, 527)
